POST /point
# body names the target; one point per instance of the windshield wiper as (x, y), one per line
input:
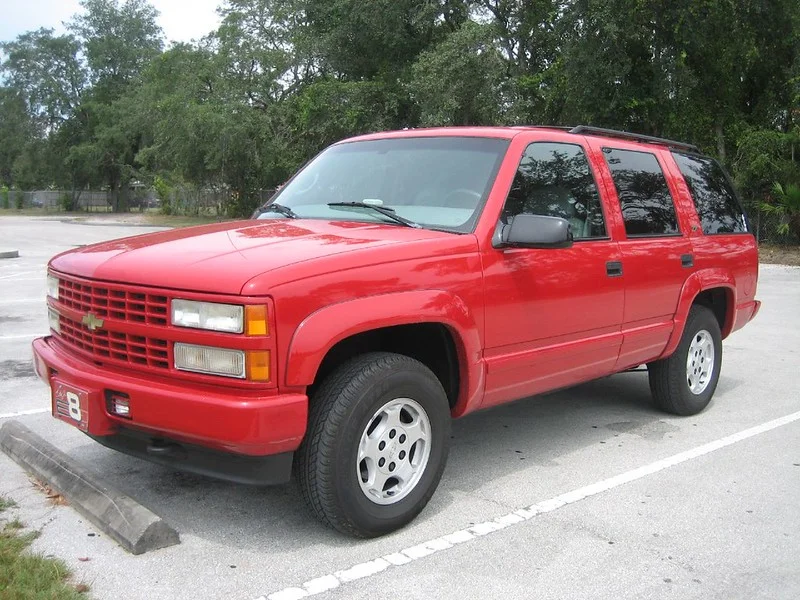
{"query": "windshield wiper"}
(279, 208)
(384, 210)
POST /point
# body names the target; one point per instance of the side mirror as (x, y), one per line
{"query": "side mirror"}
(534, 231)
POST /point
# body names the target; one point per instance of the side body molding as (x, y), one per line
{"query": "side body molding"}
(323, 329)
(697, 282)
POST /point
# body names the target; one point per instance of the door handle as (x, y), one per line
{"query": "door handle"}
(687, 260)
(614, 268)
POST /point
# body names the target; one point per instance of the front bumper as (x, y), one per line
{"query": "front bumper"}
(204, 420)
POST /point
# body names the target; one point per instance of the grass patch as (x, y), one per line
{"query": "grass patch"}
(30, 212)
(179, 221)
(27, 576)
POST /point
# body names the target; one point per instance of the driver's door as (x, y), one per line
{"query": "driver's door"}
(553, 316)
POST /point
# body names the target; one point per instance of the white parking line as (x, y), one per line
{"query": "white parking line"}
(13, 276)
(22, 279)
(21, 336)
(368, 569)
(23, 413)
(24, 301)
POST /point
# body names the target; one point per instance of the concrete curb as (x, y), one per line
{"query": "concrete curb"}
(132, 525)
(9, 253)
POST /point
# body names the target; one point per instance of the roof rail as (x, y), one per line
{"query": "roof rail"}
(559, 127)
(636, 137)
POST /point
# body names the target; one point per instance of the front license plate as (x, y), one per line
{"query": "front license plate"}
(71, 404)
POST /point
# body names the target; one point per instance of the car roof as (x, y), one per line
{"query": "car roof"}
(510, 132)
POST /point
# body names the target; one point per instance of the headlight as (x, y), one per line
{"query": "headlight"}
(52, 286)
(228, 318)
(53, 319)
(214, 361)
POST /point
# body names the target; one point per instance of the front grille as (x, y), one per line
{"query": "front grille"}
(113, 302)
(106, 301)
(133, 349)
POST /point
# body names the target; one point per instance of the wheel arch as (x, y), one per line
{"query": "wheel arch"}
(714, 288)
(412, 323)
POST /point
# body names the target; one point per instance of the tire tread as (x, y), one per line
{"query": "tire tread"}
(668, 376)
(327, 413)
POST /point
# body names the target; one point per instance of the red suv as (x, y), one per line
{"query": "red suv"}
(399, 280)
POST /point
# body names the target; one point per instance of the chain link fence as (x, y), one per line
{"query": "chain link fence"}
(187, 201)
(90, 201)
(192, 201)
(765, 227)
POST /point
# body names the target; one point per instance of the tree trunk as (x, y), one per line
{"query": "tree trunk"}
(123, 194)
(113, 196)
(720, 131)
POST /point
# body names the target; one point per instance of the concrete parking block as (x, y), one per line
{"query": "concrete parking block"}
(134, 527)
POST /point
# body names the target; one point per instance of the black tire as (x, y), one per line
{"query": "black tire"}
(339, 413)
(669, 377)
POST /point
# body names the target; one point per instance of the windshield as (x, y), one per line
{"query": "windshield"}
(436, 182)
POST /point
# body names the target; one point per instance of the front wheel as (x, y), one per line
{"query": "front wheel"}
(684, 382)
(376, 445)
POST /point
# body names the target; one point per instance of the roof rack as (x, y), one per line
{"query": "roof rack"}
(636, 137)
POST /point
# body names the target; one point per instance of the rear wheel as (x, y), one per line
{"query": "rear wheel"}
(376, 445)
(684, 383)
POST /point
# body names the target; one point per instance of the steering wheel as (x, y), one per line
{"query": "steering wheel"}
(469, 198)
(300, 191)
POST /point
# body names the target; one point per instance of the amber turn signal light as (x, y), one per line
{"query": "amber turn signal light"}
(255, 317)
(258, 365)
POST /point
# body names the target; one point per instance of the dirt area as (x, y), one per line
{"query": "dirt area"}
(779, 255)
(152, 219)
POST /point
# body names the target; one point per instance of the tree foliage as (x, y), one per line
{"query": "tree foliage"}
(107, 104)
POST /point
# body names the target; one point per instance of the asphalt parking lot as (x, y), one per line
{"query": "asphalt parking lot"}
(621, 501)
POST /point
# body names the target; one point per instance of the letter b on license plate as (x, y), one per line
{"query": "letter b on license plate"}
(71, 404)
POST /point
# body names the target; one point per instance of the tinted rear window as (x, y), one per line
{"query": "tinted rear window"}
(647, 205)
(716, 202)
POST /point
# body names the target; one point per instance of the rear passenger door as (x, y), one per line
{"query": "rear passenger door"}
(656, 251)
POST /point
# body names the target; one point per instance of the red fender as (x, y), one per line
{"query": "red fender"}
(697, 282)
(321, 330)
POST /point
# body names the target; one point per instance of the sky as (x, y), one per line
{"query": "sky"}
(181, 20)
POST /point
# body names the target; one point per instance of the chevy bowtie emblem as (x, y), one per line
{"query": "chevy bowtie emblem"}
(92, 322)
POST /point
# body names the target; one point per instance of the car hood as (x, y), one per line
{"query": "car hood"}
(223, 257)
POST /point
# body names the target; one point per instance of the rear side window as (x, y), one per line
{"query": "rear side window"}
(647, 205)
(716, 202)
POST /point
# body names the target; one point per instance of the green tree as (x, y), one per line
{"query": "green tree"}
(461, 81)
(17, 130)
(120, 40)
(358, 41)
(785, 205)
(47, 72)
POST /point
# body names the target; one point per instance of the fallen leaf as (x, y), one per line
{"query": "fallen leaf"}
(53, 496)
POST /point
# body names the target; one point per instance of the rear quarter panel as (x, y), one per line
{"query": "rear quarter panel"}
(728, 261)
